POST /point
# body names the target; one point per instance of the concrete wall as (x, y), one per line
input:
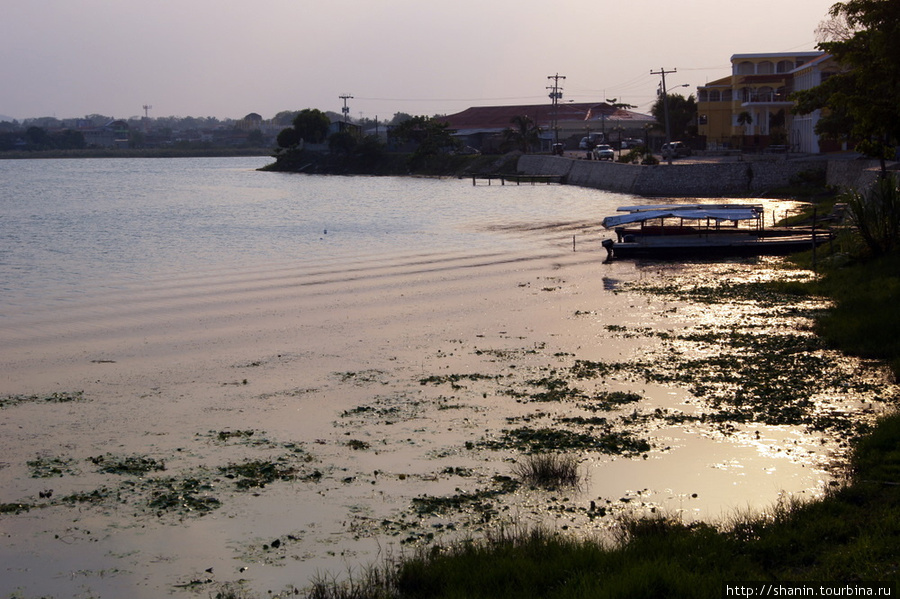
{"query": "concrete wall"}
(678, 179)
(853, 174)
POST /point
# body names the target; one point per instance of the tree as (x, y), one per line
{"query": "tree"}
(682, 113)
(863, 99)
(616, 104)
(312, 125)
(399, 117)
(431, 135)
(288, 138)
(342, 143)
(524, 135)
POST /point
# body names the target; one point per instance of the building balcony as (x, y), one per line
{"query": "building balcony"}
(765, 99)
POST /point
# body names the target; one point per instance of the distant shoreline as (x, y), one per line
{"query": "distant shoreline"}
(138, 153)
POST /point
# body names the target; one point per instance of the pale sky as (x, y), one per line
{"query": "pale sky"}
(227, 58)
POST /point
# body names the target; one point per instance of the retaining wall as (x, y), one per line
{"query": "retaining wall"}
(678, 179)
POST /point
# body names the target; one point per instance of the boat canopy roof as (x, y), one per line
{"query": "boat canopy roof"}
(717, 212)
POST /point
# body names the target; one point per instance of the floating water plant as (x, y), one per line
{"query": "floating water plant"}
(130, 465)
(56, 397)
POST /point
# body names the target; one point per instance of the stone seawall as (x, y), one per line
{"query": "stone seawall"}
(712, 179)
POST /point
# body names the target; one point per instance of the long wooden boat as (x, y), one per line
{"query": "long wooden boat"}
(674, 230)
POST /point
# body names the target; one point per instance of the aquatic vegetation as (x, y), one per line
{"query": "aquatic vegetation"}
(43, 467)
(548, 470)
(182, 495)
(479, 501)
(14, 508)
(530, 440)
(454, 379)
(607, 401)
(259, 473)
(130, 465)
(56, 397)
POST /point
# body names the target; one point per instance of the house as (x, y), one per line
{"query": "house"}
(114, 134)
(751, 108)
(482, 127)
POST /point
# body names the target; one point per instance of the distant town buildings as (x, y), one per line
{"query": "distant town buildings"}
(482, 127)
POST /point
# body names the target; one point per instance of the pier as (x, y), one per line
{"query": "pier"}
(518, 179)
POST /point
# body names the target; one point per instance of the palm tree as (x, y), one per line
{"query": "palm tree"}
(524, 135)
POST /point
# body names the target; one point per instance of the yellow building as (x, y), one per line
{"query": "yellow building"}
(750, 109)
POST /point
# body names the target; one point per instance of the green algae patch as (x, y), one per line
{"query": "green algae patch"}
(259, 473)
(9, 401)
(539, 440)
(128, 465)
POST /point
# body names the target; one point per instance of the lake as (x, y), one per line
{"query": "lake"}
(212, 375)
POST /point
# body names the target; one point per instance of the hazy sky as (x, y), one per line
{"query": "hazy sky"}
(227, 58)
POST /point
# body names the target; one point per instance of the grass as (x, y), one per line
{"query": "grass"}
(864, 321)
(548, 470)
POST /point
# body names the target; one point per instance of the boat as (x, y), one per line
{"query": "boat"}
(671, 230)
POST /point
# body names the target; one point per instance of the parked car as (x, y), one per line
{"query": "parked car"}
(630, 144)
(603, 152)
(677, 149)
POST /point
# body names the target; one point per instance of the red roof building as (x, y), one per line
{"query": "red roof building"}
(573, 120)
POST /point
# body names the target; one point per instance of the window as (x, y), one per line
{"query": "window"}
(765, 68)
(714, 95)
(784, 66)
(745, 68)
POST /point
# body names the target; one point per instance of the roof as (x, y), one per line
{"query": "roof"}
(734, 212)
(772, 55)
(500, 117)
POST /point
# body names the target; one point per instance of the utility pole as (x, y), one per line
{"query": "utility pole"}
(556, 96)
(664, 72)
(147, 108)
(346, 109)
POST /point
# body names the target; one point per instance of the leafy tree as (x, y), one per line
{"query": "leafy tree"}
(863, 100)
(682, 114)
(288, 138)
(256, 139)
(37, 138)
(399, 117)
(312, 125)
(431, 135)
(285, 118)
(342, 143)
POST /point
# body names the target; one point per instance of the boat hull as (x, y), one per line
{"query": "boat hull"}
(681, 246)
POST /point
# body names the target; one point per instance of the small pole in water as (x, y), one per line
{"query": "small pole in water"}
(573, 243)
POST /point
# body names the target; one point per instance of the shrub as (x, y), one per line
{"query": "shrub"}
(876, 214)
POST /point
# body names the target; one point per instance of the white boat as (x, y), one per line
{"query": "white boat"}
(670, 230)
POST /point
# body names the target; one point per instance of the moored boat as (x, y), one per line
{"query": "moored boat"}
(672, 230)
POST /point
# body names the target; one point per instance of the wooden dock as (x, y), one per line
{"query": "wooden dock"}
(518, 179)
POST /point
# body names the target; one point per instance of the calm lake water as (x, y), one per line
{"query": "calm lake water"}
(214, 315)
(70, 225)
